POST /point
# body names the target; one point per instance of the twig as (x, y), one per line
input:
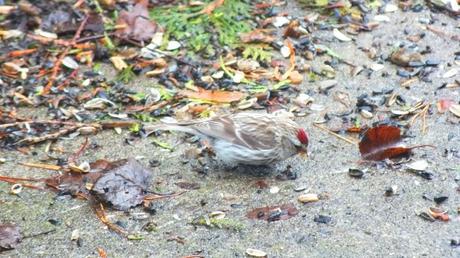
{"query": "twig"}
(57, 64)
(40, 165)
(354, 142)
(53, 136)
(16, 180)
(39, 234)
(100, 213)
(77, 154)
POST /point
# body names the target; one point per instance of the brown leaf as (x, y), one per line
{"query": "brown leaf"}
(212, 6)
(123, 187)
(10, 236)
(213, 95)
(136, 24)
(257, 36)
(274, 213)
(384, 142)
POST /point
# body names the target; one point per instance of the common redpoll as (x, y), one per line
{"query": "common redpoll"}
(246, 138)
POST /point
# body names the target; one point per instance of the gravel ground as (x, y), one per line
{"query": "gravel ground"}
(365, 223)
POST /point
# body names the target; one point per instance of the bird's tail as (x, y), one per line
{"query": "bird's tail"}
(169, 125)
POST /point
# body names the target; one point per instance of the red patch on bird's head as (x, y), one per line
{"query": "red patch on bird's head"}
(302, 136)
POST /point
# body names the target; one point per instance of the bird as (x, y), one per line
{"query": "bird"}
(245, 138)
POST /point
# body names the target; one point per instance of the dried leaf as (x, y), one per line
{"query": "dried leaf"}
(10, 236)
(212, 6)
(455, 109)
(213, 95)
(257, 36)
(444, 105)
(383, 142)
(124, 186)
(136, 25)
(274, 213)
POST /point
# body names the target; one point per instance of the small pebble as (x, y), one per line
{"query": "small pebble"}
(322, 219)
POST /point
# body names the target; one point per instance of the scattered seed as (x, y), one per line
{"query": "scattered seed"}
(419, 165)
(322, 219)
(274, 189)
(16, 189)
(255, 253)
(285, 51)
(280, 21)
(455, 109)
(451, 73)
(217, 215)
(356, 173)
(376, 67)
(426, 216)
(300, 188)
(390, 8)
(340, 36)
(381, 18)
(70, 63)
(366, 114)
(425, 175)
(306, 198)
(438, 214)
(173, 45)
(390, 191)
(75, 235)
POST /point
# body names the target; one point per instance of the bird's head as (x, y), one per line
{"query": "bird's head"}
(302, 136)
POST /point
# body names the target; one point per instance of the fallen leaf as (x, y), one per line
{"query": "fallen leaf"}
(455, 109)
(384, 142)
(123, 187)
(444, 105)
(212, 6)
(136, 25)
(213, 95)
(257, 36)
(274, 213)
(10, 236)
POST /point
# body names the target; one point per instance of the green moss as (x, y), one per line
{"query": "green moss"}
(257, 52)
(196, 30)
(126, 75)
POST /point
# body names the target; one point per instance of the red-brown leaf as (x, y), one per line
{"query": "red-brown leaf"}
(382, 142)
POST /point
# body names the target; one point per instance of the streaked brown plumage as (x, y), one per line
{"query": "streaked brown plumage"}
(247, 138)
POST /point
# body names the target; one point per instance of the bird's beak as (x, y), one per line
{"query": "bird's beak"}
(302, 151)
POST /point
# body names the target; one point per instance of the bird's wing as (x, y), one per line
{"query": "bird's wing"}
(240, 130)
